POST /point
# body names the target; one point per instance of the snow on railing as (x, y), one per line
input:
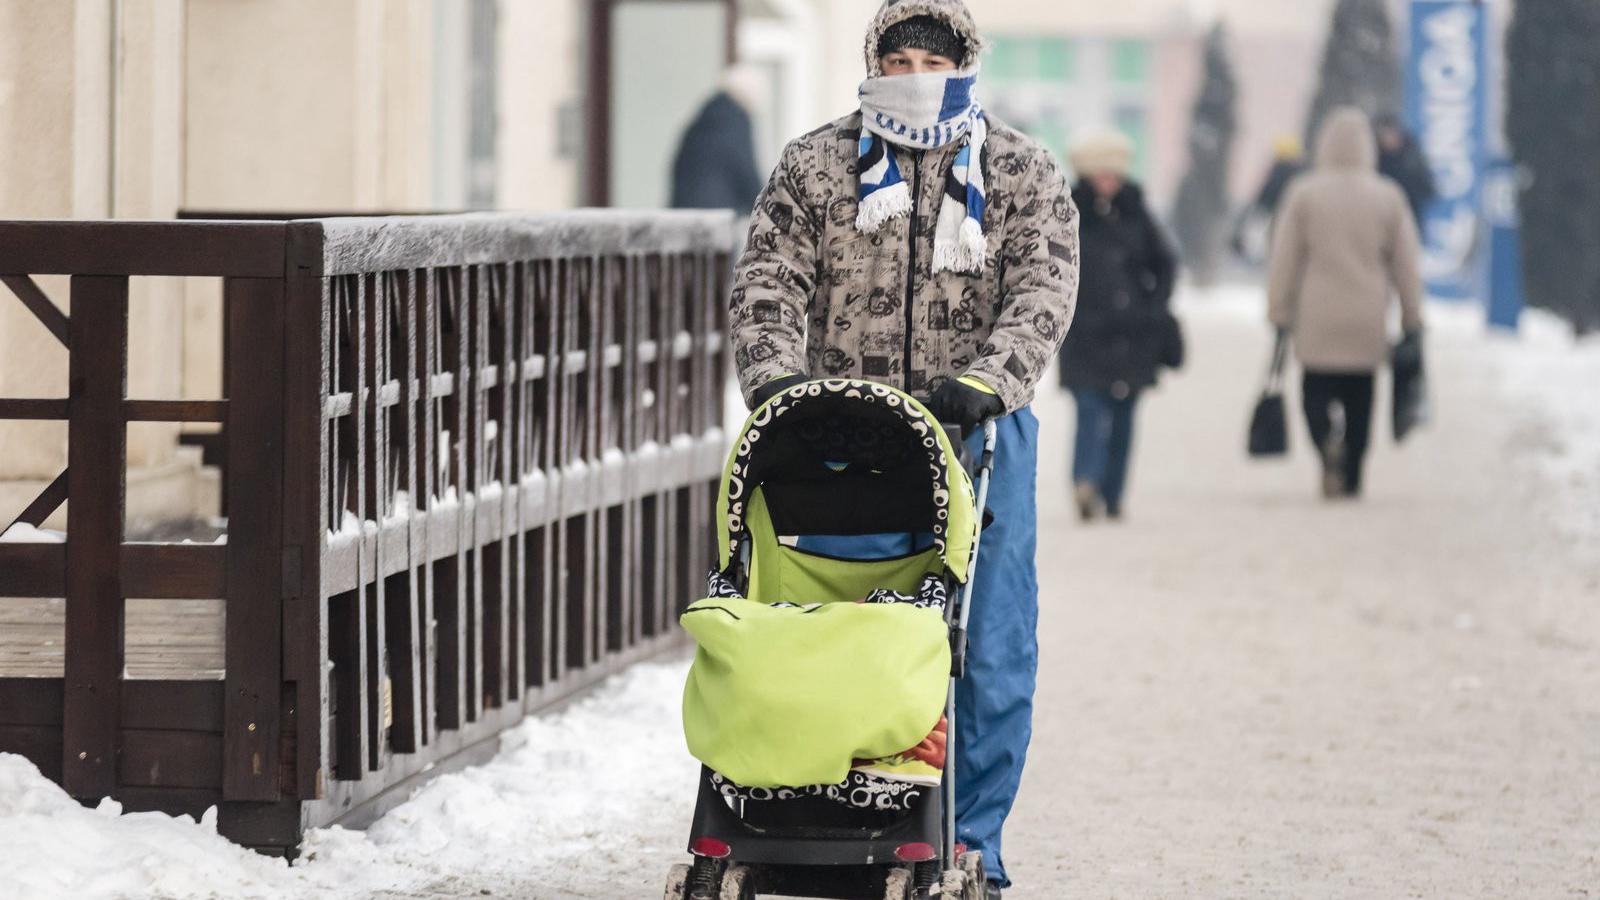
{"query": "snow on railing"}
(470, 467)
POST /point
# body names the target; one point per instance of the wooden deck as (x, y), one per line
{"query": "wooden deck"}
(165, 639)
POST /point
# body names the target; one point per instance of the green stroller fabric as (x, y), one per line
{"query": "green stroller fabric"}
(789, 695)
(954, 529)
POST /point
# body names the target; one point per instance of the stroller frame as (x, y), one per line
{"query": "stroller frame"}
(846, 862)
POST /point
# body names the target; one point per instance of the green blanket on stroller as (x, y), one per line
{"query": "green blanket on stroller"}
(784, 695)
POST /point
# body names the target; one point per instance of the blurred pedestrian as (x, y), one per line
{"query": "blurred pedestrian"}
(1400, 158)
(1252, 233)
(1288, 161)
(922, 243)
(1345, 243)
(1124, 330)
(715, 167)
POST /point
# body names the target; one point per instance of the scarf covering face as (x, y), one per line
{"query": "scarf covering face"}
(925, 111)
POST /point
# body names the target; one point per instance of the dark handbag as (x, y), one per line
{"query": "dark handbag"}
(1172, 348)
(1410, 407)
(1269, 424)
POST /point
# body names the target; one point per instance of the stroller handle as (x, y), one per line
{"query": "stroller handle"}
(990, 430)
(958, 640)
(983, 463)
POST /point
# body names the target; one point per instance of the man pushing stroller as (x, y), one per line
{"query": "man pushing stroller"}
(921, 243)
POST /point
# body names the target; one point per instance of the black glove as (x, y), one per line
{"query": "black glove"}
(775, 387)
(1406, 357)
(963, 406)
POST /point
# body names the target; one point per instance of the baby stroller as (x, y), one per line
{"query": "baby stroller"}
(853, 461)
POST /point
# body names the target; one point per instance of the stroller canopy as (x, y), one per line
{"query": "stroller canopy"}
(847, 457)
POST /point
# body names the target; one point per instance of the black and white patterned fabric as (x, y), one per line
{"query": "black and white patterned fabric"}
(718, 585)
(860, 791)
(931, 594)
(861, 439)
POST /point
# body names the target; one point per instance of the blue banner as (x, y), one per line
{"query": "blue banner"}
(1447, 108)
(1505, 245)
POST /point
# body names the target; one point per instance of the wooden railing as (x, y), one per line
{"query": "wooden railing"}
(469, 466)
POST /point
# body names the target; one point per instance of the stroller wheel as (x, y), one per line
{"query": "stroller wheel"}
(739, 883)
(953, 885)
(703, 881)
(678, 882)
(897, 886)
(971, 863)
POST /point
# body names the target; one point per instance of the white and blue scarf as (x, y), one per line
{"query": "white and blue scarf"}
(924, 112)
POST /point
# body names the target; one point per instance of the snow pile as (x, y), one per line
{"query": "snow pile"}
(55, 848)
(567, 785)
(400, 509)
(23, 533)
(579, 784)
(1554, 383)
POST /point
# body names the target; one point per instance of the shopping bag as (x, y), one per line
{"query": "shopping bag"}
(1172, 343)
(1410, 406)
(1269, 424)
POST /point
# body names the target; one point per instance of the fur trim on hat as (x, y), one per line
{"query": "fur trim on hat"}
(952, 12)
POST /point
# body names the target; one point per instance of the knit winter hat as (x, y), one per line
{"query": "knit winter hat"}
(950, 13)
(1102, 152)
(924, 33)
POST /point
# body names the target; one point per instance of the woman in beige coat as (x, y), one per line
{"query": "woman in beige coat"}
(1345, 244)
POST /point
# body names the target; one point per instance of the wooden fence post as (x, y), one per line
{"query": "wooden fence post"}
(251, 720)
(97, 437)
(307, 484)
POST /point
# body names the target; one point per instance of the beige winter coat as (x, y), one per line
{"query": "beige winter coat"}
(1344, 242)
(813, 295)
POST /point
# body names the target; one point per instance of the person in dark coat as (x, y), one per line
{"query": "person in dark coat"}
(1288, 161)
(1124, 331)
(715, 167)
(1252, 230)
(1401, 159)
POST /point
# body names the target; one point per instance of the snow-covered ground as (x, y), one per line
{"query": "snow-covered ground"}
(1244, 692)
(557, 814)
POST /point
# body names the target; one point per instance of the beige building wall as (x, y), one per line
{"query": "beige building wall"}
(140, 108)
(541, 82)
(308, 105)
(45, 50)
(93, 133)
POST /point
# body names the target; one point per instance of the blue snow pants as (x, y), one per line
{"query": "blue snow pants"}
(994, 702)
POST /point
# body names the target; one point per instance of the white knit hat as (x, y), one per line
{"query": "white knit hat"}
(1102, 152)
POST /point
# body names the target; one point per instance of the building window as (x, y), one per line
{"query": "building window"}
(1033, 59)
(1129, 61)
(1134, 122)
(465, 121)
(484, 126)
(1031, 85)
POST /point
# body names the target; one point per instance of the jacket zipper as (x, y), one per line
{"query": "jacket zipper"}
(911, 271)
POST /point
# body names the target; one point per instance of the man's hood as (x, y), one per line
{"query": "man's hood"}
(1346, 141)
(953, 12)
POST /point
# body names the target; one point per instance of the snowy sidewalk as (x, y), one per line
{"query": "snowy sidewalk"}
(1244, 692)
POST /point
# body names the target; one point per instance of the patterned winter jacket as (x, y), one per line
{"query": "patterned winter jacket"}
(814, 295)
